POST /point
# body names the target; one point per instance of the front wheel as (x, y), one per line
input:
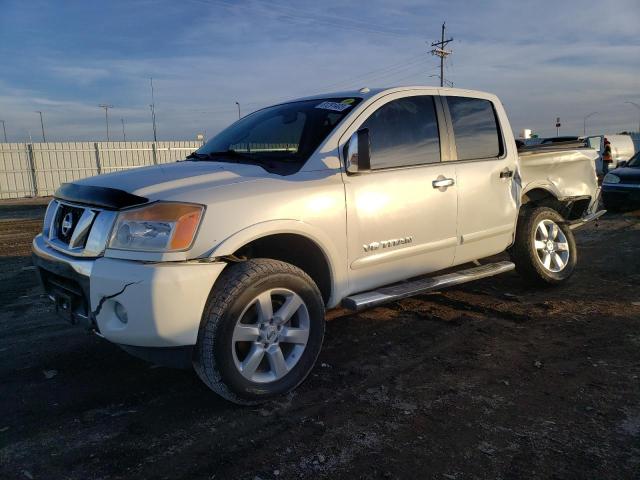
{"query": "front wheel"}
(261, 333)
(544, 250)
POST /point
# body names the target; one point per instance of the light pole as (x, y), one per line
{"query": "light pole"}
(153, 112)
(4, 129)
(124, 135)
(44, 139)
(238, 104)
(584, 128)
(106, 116)
(638, 107)
(153, 121)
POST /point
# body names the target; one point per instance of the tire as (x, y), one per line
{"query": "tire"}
(244, 362)
(537, 260)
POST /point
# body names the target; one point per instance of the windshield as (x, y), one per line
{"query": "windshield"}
(634, 161)
(279, 138)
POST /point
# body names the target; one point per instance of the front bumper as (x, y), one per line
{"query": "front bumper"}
(164, 302)
(621, 194)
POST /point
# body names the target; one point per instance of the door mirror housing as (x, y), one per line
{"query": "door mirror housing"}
(622, 164)
(358, 152)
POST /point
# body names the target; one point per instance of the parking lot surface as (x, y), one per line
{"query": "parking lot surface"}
(488, 380)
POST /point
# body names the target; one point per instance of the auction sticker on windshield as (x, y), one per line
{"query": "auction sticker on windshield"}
(336, 107)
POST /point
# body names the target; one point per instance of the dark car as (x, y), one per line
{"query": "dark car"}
(621, 186)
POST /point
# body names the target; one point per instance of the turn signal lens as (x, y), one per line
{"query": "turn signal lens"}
(160, 227)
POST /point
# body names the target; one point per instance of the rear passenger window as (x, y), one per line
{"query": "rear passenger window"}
(475, 128)
(404, 132)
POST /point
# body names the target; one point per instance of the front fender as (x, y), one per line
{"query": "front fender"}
(234, 242)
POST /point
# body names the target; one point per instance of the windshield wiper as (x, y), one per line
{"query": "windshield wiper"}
(226, 154)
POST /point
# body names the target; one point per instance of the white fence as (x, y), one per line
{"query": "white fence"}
(38, 169)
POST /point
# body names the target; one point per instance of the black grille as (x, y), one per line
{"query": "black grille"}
(66, 221)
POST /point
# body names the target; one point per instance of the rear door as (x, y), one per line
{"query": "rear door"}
(399, 224)
(488, 190)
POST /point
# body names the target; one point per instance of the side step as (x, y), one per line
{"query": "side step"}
(360, 301)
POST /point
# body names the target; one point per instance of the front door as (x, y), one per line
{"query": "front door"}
(399, 223)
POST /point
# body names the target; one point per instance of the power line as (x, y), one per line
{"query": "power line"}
(395, 68)
(380, 73)
(341, 22)
(374, 71)
(439, 51)
(306, 16)
(390, 74)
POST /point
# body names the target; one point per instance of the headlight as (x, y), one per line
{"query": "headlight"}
(611, 178)
(160, 227)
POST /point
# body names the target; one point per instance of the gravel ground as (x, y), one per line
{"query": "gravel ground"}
(489, 380)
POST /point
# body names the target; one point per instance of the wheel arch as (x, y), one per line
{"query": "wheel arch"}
(291, 241)
(546, 195)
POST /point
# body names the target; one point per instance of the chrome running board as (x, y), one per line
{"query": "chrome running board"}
(398, 291)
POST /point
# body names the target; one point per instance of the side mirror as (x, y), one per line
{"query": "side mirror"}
(358, 152)
(622, 164)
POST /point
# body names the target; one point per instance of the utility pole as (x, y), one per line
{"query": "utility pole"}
(124, 135)
(153, 112)
(584, 127)
(4, 129)
(106, 116)
(638, 107)
(44, 139)
(439, 51)
(238, 104)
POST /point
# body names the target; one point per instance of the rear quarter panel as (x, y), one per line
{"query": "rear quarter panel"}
(565, 174)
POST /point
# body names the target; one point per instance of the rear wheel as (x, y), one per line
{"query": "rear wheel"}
(262, 331)
(544, 250)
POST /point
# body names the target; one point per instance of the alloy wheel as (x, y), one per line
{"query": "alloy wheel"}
(270, 335)
(551, 246)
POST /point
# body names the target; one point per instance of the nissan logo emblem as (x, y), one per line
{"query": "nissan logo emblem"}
(67, 224)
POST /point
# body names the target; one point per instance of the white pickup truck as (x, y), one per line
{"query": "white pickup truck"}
(227, 260)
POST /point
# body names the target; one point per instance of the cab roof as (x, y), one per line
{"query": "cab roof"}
(368, 93)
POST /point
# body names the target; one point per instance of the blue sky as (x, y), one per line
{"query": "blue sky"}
(544, 59)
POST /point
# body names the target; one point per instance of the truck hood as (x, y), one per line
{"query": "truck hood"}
(159, 181)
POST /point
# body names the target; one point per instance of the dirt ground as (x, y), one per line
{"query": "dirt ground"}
(488, 380)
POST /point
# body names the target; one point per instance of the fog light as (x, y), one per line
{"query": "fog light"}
(121, 312)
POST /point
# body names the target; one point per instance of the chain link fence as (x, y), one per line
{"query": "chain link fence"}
(38, 169)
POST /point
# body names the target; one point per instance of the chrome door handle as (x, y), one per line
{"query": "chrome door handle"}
(443, 182)
(506, 173)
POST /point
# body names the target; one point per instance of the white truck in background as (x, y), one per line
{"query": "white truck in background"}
(227, 260)
(623, 147)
